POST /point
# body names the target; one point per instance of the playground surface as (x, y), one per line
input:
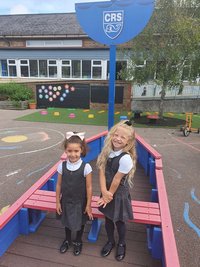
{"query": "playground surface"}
(38, 146)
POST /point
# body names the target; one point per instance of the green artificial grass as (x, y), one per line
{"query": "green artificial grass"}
(82, 116)
(85, 117)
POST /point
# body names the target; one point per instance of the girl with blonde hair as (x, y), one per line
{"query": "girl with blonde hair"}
(117, 164)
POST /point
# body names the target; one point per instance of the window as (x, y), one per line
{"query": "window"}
(3, 68)
(24, 68)
(66, 68)
(55, 68)
(52, 67)
(42, 68)
(96, 69)
(119, 66)
(12, 70)
(86, 69)
(54, 43)
(76, 69)
(33, 64)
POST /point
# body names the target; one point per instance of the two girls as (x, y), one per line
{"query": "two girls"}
(116, 164)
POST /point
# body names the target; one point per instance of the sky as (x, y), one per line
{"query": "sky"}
(11, 7)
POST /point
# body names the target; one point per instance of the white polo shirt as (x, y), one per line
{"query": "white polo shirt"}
(125, 163)
(73, 166)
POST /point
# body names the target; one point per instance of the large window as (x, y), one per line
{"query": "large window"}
(53, 68)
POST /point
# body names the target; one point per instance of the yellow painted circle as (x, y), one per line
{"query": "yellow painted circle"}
(14, 139)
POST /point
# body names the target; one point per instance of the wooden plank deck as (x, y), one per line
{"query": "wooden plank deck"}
(41, 249)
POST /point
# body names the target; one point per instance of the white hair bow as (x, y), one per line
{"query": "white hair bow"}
(80, 135)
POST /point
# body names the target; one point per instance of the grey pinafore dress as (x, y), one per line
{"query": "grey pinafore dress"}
(119, 209)
(74, 197)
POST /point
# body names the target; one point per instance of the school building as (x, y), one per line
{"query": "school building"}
(48, 49)
(51, 52)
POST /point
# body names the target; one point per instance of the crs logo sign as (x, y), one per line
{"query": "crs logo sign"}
(113, 23)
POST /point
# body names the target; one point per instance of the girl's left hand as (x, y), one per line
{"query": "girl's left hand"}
(101, 202)
(88, 210)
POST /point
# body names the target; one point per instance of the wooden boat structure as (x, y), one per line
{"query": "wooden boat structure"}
(30, 235)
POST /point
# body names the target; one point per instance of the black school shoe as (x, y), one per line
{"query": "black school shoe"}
(65, 246)
(120, 252)
(77, 248)
(107, 249)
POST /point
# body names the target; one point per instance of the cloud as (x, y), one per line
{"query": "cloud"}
(19, 9)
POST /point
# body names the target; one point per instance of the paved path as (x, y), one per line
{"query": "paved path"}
(181, 159)
(24, 162)
(36, 148)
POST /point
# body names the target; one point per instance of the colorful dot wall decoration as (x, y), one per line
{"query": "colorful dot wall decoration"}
(63, 95)
(51, 93)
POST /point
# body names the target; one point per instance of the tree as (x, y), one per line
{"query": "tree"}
(169, 46)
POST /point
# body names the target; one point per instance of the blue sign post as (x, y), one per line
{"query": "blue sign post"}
(114, 22)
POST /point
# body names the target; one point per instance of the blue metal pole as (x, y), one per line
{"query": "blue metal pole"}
(111, 95)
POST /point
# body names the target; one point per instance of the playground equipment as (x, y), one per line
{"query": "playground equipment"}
(72, 116)
(56, 113)
(26, 215)
(187, 128)
(43, 112)
(90, 116)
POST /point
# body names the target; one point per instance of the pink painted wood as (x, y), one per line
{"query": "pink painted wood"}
(143, 212)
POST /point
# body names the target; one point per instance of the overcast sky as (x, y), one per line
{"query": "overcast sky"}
(10, 7)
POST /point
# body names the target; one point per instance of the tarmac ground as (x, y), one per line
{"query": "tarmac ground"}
(28, 150)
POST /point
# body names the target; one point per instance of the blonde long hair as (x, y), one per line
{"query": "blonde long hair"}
(129, 148)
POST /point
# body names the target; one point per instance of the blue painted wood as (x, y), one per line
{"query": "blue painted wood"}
(9, 233)
(154, 195)
(152, 174)
(157, 243)
(44, 187)
(36, 217)
(51, 184)
(154, 241)
(149, 237)
(143, 157)
(24, 221)
(95, 147)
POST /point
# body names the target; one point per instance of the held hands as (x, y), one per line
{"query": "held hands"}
(88, 210)
(58, 208)
(105, 199)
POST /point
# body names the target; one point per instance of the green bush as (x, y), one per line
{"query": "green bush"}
(15, 91)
